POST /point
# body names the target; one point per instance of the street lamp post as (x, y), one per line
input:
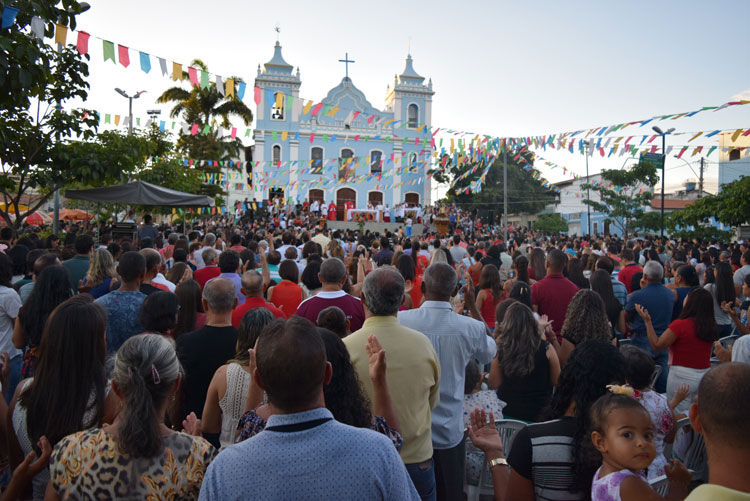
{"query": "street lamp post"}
(83, 7)
(663, 135)
(130, 106)
(587, 144)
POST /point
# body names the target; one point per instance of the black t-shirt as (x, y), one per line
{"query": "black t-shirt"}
(201, 352)
(148, 289)
(491, 260)
(528, 395)
(543, 453)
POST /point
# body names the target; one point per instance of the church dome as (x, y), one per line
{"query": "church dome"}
(277, 64)
(409, 71)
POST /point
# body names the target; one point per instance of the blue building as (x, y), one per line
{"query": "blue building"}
(346, 149)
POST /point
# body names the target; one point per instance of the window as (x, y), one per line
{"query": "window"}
(734, 155)
(596, 228)
(276, 150)
(277, 107)
(316, 155)
(346, 164)
(412, 116)
(376, 162)
(375, 198)
(411, 199)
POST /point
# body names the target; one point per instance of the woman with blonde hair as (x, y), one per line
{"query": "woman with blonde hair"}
(100, 277)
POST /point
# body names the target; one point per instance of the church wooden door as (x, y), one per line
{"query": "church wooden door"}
(342, 196)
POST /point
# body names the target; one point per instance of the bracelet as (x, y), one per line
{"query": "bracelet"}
(498, 461)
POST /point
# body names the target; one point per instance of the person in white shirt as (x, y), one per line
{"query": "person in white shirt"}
(315, 207)
(457, 341)
(209, 242)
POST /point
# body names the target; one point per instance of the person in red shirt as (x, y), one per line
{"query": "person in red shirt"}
(332, 212)
(552, 295)
(287, 295)
(490, 294)
(690, 339)
(333, 275)
(211, 270)
(629, 268)
(252, 288)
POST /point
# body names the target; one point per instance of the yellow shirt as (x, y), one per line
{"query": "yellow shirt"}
(413, 375)
(710, 492)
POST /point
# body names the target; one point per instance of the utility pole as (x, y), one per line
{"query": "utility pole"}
(505, 194)
(700, 181)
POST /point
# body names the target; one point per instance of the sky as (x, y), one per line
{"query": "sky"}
(502, 68)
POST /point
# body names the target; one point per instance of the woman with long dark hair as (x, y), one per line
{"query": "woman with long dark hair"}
(585, 320)
(537, 269)
(159, 313)
(685, 280)
(490, 293)
(575, 273)
(565, 437)
(689, 339)
(10, 305)
(343, 394)
(526, 367)
(52, 287)
(412, 282)
(69, 388)
(722, 290)
(142, 457)
(190, 315)
(601, 283)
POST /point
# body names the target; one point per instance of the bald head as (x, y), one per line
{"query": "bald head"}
(220, 295)
(252, 283)
(724, 405)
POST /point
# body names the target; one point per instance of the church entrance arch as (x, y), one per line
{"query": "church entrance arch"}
(375, 198)
(315, 194)
(411, 199)
(344, 195)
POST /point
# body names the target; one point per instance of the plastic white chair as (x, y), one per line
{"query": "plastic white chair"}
(728, 341)
(507, 429)
(696, 459)
(660, 485)
(655, 375)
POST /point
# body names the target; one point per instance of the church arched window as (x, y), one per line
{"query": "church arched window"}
(276, 151)
(346, 164)
(316, 155)
(412, 116)
(376, 161)
(412, 162)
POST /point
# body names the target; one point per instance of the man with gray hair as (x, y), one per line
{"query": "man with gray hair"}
(457, 340)
(333, 277)
(203, 351)
(208, 243)
(659, 301)
(412, 371)
(252, 288)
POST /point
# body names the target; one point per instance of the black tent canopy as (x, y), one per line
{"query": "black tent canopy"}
(140, 193)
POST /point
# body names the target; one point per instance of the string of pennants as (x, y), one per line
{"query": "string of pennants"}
(226, 87)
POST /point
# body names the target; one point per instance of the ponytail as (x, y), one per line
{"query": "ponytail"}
(146, 369)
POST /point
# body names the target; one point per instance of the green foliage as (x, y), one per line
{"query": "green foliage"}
(553, 223)
(38, 153)
(730, 206)
(622, 203)
(206, 107)
(525, 194)
(703, 233)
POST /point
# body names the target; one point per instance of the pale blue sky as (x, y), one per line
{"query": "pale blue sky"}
(498, 68)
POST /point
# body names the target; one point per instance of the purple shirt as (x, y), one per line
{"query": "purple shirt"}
(234, 277)
(351, 306)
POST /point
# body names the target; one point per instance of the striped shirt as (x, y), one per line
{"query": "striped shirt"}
(543, 453)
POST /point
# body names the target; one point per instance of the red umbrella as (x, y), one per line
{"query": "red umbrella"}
(37, 218)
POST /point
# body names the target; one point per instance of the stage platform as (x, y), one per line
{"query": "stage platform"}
(416, 229)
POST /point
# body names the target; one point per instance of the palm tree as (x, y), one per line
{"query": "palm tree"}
(206, 107)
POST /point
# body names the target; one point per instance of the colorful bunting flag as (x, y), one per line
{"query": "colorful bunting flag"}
(83, 42)
(145, 62)
(108, 49)
(122, 53)
(9, 17)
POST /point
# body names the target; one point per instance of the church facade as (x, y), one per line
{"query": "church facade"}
(356, 153)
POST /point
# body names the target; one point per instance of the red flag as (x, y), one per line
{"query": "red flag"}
(122, 53)
(257, 94)
(83, 42)
(193, 74)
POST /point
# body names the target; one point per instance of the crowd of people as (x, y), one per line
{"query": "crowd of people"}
(244, 358)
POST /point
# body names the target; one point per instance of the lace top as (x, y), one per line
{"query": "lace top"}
(233, 402)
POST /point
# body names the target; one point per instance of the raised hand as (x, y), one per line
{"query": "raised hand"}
(192, 425)
(484, 435)
(375, 358)
(643, 312)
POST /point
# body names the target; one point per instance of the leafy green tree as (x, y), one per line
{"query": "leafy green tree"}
(553, 223)
(525, 193)
(730, 206)
(44, 147)
(206, 106)
(622, 202)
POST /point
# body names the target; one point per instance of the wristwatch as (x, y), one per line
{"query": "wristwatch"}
(498, 461)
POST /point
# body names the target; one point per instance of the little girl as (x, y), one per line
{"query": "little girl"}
(623, 433)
